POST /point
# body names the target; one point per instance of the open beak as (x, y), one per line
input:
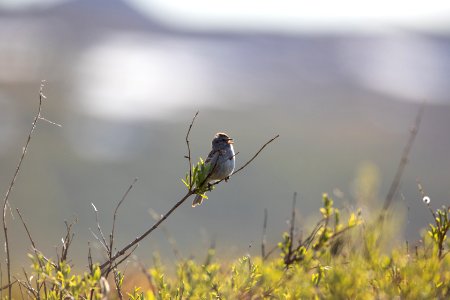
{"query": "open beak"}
(230, 141)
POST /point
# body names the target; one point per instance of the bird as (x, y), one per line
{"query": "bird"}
(221, 159)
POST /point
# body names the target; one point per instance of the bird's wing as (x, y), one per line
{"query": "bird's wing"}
(212, 155)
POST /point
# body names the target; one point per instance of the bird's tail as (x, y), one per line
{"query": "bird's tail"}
(197, 200)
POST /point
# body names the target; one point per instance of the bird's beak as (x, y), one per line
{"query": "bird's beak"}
(230, 141)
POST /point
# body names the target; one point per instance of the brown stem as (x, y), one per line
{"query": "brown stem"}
(403, 161)
(263, 239)
(189, 149)
(142, 236)
(248, 162)
(11, 185)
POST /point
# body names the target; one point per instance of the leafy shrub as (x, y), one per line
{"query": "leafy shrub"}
(312, 269)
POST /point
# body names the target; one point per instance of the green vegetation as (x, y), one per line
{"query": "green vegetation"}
(199, 177)
(339, 260)
(344, 256)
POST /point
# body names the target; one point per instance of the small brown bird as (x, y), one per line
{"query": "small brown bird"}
(221, 158)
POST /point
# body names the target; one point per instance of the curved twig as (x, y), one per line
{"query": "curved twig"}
(248, 162)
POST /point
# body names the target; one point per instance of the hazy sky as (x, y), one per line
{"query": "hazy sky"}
(288, 15)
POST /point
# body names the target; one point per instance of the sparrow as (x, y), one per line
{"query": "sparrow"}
(221, 160)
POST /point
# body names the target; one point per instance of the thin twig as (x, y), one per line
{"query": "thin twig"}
(111, 236)
(29, 282)
(263, 239)
(11, 185)
(270, 252)
(292, 225)
(90, 263)
(66, 241)
(117, 283)
(165, 216)
(127, 255)
(189, 149)
(30, 289)
(7, 285)
(172, 242)
(28, 232)
(148, 276)
(142, 236)
(403, 161)
(36, 252)
(99, 228)
(99, 240)
(248, 162)
(428, 204)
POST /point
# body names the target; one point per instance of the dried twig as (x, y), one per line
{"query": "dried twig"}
(189, 193)
(172, 242)
(292, 225)
(189, 148)
(100, 238)
(117, 282)
(142, 236)
(148, 276)
(264, 237)
(270, 252)
(249, 161)
(90, 263)
(111, 236)
(403, 161)
(422, 193)
(7, 285)
(11, 185)
(67, 241)
(28, 282)
(36, 252)
(29, 288)
(109, 247)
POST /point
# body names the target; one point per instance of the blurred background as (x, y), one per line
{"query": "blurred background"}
(341, 83)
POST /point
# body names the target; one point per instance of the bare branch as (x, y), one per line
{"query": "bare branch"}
(29, 282)
(263, 239)
(111, 237)
(29, 288)
(142, 236)
(11, 185)
(422, 192)
(254, 156)
(189, 149)
(66, 241)
(99, 240)
(99, 229)
(292, 225)
(172, 242)
(248, 162)
(127, 255)
(269, 253)
(90, 263)
(404, 160)
(26, 229)
(7, 285)
(117, 283)
(36, 252)
(148, 276)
